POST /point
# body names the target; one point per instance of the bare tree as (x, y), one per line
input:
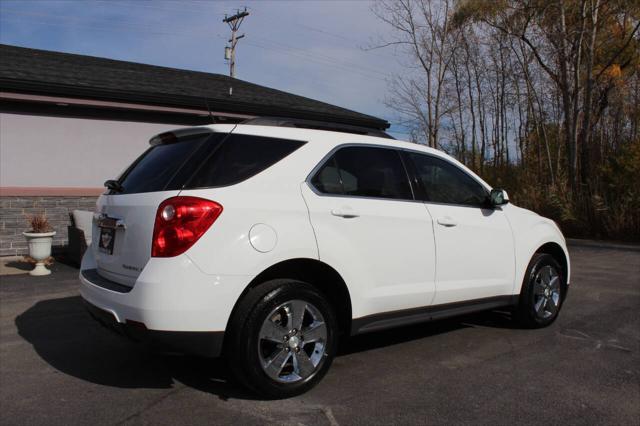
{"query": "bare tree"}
(543, 93)
(422, 29)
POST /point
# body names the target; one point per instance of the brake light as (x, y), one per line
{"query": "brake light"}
(180, 222)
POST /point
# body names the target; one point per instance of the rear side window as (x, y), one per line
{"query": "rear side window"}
(156, 168)
(240, 157)
(364, 172)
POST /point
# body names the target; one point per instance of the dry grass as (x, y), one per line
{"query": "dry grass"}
(612, 213)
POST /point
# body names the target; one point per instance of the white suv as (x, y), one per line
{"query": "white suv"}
(266, 243)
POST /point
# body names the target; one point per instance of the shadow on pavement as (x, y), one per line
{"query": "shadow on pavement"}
(365, 342)
(20, 265)
(68, 339)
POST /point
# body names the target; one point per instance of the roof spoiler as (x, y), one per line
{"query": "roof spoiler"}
(317, 125)
(175, 135)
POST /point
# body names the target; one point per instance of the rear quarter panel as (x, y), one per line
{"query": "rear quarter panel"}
(272, 198)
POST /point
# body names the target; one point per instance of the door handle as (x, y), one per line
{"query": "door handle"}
(447, 221)
(345, 213)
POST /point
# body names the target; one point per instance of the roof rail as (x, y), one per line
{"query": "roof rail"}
(317, 125)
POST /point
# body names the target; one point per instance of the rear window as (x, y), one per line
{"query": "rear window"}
(203, 161)
(158, 167)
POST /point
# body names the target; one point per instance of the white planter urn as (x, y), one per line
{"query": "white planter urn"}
(39, 250)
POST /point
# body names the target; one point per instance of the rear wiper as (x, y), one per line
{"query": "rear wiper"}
(114, 185)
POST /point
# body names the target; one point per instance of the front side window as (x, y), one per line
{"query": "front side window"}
(364, 172)
(445, 183)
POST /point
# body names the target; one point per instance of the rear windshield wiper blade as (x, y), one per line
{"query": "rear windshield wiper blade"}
(114, 185)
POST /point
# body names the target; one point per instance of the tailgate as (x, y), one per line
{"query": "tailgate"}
(122, 234)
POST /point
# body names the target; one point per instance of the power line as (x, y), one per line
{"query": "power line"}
(318, 30)
(81, 23)
(325, 57)
(342, 62)
(71, 21)
(311, 58)
(358, 44)
(150, 5)
(110, 26)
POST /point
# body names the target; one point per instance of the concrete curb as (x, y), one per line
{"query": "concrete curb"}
(575, 242)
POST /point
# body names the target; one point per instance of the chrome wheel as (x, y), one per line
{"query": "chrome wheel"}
(292, 341)
(546, 291)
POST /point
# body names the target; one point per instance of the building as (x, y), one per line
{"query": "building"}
(68, 122)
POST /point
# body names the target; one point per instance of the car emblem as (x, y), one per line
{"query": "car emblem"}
(131, 268)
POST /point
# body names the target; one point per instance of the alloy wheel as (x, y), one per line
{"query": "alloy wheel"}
(546, 290)
(292, 341)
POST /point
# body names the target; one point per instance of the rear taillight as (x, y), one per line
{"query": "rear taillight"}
(180, 222)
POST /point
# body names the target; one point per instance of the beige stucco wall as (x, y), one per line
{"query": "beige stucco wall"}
(40, 151)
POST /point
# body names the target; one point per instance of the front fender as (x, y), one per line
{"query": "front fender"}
(530, 233)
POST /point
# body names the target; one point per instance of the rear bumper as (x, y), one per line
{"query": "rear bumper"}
(173, 304)
(208, 344)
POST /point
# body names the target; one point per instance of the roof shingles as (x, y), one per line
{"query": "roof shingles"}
(47, 72)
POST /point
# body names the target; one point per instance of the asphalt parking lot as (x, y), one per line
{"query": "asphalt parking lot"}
(57, 366)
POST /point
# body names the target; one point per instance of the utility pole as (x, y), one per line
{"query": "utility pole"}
(230, 52)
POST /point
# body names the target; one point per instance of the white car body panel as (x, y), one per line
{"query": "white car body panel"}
(531, 232)
(133, 245)
(475, 253)
(171, 294)
(226, 247)
(386, 252)
(392, 257)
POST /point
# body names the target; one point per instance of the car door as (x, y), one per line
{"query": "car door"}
(474, 243)
(369, 227)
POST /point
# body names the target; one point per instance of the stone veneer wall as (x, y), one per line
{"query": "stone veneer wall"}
(14, 212)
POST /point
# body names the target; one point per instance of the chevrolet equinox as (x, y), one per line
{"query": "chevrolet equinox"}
(265, 243)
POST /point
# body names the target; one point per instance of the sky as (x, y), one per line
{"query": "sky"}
(318, 49)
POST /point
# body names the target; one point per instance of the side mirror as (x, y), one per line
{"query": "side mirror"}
(498, 197)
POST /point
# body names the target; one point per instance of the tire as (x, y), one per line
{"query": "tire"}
(269, 349)
(543, 292)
